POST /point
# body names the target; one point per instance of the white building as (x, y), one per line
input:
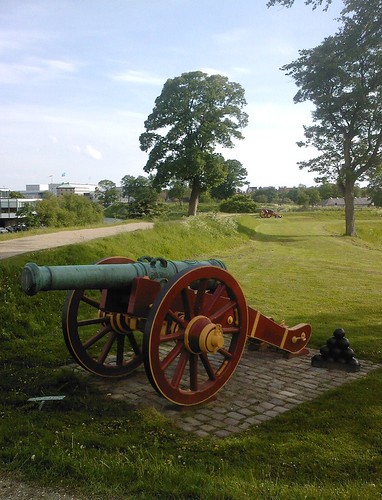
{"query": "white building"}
(10, 206)
(80, 189)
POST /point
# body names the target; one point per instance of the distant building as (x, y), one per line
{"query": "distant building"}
(35, 190)
(80, 189)
(340, 202)
(10, 206)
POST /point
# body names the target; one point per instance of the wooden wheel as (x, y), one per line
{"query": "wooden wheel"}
(195, 335)
(95, 336)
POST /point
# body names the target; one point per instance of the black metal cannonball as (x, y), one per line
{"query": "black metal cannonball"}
(317, 358)
(339, 333)
(353, 362)
(343, 343)
(325, 351)
(348, 353)
(331, 342)
(336, 352)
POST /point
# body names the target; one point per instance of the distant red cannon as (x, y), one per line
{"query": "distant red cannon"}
(187, 321)
(267, 213)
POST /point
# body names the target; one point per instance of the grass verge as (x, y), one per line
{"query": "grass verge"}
(296, 268)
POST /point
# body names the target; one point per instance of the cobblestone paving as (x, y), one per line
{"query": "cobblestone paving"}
(265, 384)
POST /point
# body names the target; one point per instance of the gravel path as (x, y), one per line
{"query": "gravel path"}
(11, 488)
(9, 248)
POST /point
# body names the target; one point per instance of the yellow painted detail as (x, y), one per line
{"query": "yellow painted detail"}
(255, 323)
(302, 337)
(211, 338)
(230, 320)
(285, 336)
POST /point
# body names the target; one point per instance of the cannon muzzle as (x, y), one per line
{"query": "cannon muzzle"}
(35, 278)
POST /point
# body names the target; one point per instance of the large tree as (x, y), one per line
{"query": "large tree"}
(342, 77)
(107, 192)
(194, 114)
(235, 179)
(139, 189)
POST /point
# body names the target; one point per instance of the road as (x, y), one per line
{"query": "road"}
(10, 248)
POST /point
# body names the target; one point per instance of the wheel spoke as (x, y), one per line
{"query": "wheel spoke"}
(194, 372)
(179, 370)
(171, 336)
(214, 298)
(231, 329)
(166, 362)
(90, 301)
(219, 313)
(208, 367)
(225, 353)
(97, 337)
(136, 348)
(107, 347)
(120, 349)
(94, 321)
(174, 316)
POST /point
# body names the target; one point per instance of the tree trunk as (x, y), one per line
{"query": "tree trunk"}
(349, 209)
(194, 198)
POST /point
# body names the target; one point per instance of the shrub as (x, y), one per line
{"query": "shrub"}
(239, 203)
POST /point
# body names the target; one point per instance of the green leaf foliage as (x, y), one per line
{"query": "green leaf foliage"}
(193, 115)
(239, 203)
(342, 77)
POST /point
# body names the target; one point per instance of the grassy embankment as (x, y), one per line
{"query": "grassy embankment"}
(298, 268)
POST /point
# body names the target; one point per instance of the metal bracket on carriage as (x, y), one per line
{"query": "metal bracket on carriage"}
(292, 340)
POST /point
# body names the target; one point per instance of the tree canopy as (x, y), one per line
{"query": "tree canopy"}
(235, 179)
(342, 77)
(193, 115)
(289, 3)
(107, 192)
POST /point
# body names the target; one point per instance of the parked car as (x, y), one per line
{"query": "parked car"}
(3, 230)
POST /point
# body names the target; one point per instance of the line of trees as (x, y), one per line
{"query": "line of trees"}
(61, 211)
(197, 113)
(342, 77)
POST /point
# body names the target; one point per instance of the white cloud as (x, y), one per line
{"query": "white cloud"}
(137, 77)
(88, 151)
(34, 70)
(93, 153)
(15, 40)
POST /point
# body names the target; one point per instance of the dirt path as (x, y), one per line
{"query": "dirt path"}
(9, 248)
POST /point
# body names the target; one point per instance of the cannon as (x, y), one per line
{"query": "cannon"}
(267, 213)
(186, 321)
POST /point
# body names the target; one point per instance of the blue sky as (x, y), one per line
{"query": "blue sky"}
(78, 78)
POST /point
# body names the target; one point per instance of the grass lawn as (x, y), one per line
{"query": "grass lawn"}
(299, 268)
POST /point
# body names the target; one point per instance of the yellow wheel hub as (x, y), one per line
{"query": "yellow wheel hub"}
(201, 335)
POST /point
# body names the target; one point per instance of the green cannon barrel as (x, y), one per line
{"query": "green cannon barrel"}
(35, 278)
